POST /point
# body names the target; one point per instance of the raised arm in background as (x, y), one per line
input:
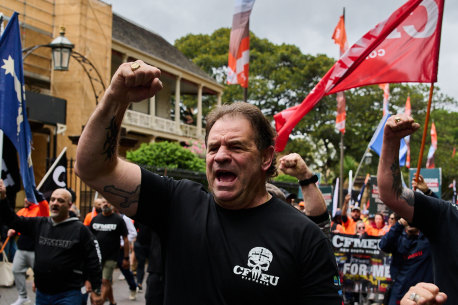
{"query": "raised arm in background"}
(295, 166)
(399, 199)
(97, 161)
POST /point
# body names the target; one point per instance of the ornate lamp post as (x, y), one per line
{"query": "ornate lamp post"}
(62, 50)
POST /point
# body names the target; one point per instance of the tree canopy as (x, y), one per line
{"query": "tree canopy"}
(281, 76)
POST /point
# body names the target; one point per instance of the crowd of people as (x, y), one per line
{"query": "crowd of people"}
(110, 245)
(236, 242)
(357, 222)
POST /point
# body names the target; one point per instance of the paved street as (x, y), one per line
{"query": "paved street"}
(120, 289)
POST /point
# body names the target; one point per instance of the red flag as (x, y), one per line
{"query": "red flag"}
(454, 152)
(394, 51)
(340, 38)
(408, 111)
(432, 148)
(239, 45)
(386, 97)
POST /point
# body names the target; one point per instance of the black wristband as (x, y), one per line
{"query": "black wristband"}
(308, 181)
(126, 257)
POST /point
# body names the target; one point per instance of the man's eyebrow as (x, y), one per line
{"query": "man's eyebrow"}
(237, 140)
(212, 143)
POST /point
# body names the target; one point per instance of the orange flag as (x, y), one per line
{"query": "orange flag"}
(239, 45)
(408, 111)
(340, 38)
(432, 148)
(386, 97)
(340, 35)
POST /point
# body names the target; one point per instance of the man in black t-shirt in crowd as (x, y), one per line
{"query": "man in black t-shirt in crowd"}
(233, 245)
(108, 227)
(436, 218)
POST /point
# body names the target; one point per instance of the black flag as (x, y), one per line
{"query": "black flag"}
(10, 171)
(57, 177)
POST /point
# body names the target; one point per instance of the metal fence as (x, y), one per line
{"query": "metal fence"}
(84, 194)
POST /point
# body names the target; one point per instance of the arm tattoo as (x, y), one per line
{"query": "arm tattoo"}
(397, 184)
(111, 140)
(407, 195)
(399, 191)
(128, 198)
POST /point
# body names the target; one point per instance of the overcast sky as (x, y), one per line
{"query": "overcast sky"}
(309, 24)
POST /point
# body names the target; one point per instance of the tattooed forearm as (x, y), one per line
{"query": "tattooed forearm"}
(128, 198)
(397, 184)
(111, 140)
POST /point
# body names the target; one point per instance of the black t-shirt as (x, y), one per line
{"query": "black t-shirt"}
(107, 230)
(438, 220)
(270, 254)
(143, 234)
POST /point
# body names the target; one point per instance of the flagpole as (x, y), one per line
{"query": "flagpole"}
(362, 159)
(245, 95)
(425, 130)
(341, 169)
(1, 152)
(341, 152)
(50, 170)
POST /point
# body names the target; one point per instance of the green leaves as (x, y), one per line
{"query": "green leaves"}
(166, 154)
(281, 76)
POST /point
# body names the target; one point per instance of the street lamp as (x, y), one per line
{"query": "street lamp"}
(62, 50)
(368, 157)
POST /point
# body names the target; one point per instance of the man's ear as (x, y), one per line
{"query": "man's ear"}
(267, 157)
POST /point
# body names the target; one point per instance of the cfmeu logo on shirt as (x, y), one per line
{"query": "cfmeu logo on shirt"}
(259, 260)
(104, 227)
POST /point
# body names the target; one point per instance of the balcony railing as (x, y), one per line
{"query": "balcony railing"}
(160, 124)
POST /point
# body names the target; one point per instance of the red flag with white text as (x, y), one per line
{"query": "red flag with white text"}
(239, 45)
(340, 38)
(408, 111)
(403, 48)
(432, 148)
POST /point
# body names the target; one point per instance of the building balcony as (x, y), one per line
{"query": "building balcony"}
(151, 124)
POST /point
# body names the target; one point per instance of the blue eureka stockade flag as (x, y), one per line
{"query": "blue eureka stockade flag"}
(13, 116)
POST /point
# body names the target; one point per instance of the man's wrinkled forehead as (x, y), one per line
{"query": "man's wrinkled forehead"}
(230, 116)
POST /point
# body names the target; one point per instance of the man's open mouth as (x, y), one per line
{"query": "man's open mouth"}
(225, 176)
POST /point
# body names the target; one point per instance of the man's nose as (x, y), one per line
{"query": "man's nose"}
(222, 155)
